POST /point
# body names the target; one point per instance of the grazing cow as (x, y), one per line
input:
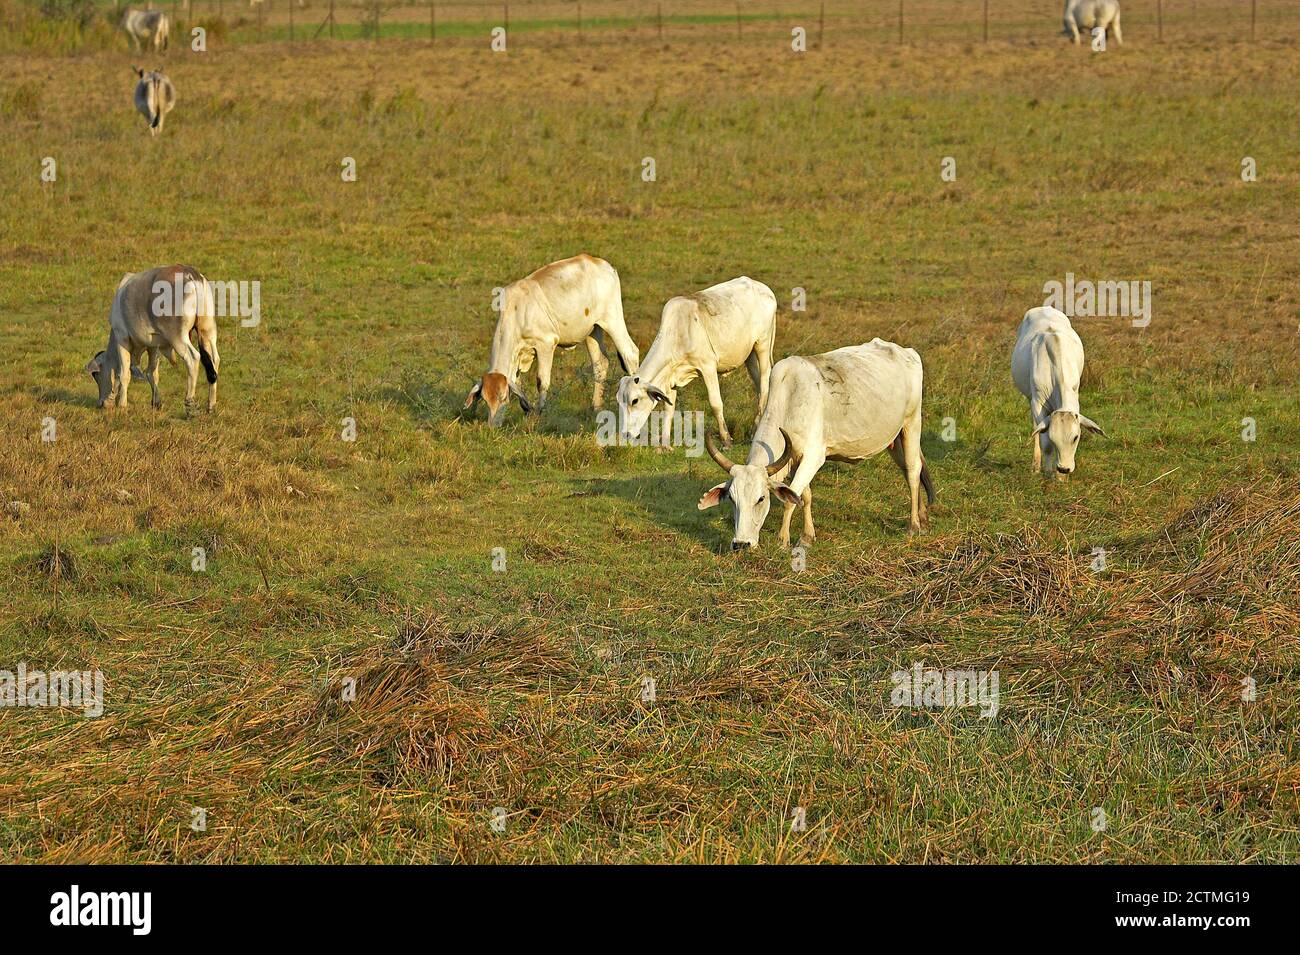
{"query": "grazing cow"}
(154, 98)
(844, 405)
(1088, 14)
(707, 334)
(1046, 365)
(148, 29)
(558, 306)
(155, 311)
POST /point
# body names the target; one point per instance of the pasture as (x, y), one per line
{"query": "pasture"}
(327, 560)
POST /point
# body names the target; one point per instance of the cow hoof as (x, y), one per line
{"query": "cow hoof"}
(806, 541)
(784, 542)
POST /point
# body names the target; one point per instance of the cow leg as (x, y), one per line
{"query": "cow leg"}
(154, 359)
(912, 465)
(206, 330)
(545, 357)
(122, 357)
(1114, 26)
(179, 339)
(710, 376)
(784, 537)
(1074, 30)
(759, 366)
(809, 532)
(599, 367)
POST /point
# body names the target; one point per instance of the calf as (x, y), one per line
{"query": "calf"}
(561, 304)
(707, 334)
(153, 311)
(844, 405)
(1046, 365)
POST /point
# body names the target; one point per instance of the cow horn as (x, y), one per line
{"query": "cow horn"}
(723, 461)
(784, 459)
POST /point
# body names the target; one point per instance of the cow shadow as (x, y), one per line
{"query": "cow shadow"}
(668, 499)
(62, 396)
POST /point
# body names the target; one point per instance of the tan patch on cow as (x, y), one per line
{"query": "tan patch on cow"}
(496, 390)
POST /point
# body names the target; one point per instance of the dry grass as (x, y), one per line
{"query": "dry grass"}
(329, 560)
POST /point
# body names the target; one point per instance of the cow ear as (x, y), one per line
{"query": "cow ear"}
(474, 394)
(786, 494)
(658, 395)
(1091, 425)
(712, 496)
(1037, 431)
(523, 401)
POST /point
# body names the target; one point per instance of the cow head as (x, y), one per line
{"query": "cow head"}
(750, 488)
(495, 389)
(98, 370)
(1058, 437)
(636, 401)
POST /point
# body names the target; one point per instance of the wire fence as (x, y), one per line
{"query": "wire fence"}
(542, 22)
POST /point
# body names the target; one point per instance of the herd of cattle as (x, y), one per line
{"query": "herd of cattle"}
(843, 405)
(155, 96)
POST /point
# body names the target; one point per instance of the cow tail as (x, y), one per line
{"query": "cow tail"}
(207, 363)
(927, 483)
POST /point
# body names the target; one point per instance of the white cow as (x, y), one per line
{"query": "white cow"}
(843, 405)
(154, 98)
(1046, 365)
(1086, 14)
(148, 29)
(707, 334)
(561, 304)
(154, 311)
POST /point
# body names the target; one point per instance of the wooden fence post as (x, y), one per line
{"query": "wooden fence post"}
(433, 21)
(821, 25)
(579, 22)
(986, 21)
(1160, 20)
(331, 19)
(507, 9)
(290, 19)
(1252, 21)
(737, 17)
(900, 21)
(659, 15)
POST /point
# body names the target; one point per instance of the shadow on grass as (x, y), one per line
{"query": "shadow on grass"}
(669, 499)
(64, 397)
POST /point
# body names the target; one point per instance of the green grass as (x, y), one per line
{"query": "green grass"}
(522, 689)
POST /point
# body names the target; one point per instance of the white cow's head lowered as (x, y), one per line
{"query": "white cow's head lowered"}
(750, 488)
(495, 389)
(1058, 437)
(636, 400)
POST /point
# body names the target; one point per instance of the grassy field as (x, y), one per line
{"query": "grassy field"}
(372, 560)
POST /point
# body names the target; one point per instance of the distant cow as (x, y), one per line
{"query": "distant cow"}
(843, 405)
(1046, 365)
(706, 334)
(155, 311)
(1086, 15)
(561, 304)
(148, 29)
(154, 98)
